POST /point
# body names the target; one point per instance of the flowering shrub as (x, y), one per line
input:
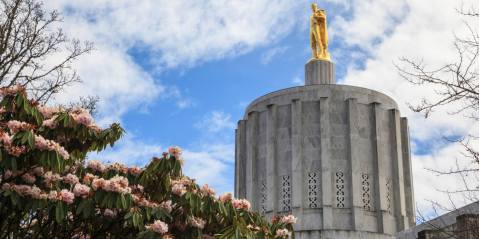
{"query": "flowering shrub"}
(48, 191)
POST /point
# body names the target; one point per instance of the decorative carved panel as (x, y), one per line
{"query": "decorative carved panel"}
(340, 194)
(366, 192)
(264, 196)
(285, 193)
(389, 196)
(313, 189)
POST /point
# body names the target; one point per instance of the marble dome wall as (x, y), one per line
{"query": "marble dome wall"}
(335, 156)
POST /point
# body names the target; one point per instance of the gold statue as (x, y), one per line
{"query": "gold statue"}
(319, 34)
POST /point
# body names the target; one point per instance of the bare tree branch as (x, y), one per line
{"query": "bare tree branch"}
(456, 85)
(33, 53)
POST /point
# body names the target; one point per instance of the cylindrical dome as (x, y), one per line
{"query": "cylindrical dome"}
(335, 156)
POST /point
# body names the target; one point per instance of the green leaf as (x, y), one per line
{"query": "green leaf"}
(19, 100)
(123, 201)
(13, 163)
(128, 216)
(30, 139)
(59, 213)
(135, 220)
(80, 207)
(14, 198)
(58, 162)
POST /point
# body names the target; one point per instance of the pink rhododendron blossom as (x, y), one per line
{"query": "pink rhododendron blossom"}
(178, 189)
(88, 178)
(143, 202)
(47, 111)
(6, 139)
(34, 192)
(81, 235)
(29, 178)
(175, 151)
(158, 226)
(82, 116)
(66, 196)
(50, 123)
(12, 90)
(81, 190)
(95, 127)
(288, 219)
(16, 150)
(197, 222)
(41, 143)
(135, 170)
(62, 152)
(137, 188)
(50, 145)
(207, 191)
(50, 177)
(283, 233)
(226, 197)
(96, 166)
(38, 171)
(253, 228)
(98, 183)
(167, 206)
(21, 189)
(241, 204)
(25, 190)
(117, 184)
(7, 174)
(16, 126)
(121, 168)
(109, 213)
(6, 187)
(184, 180)
(53, 196)
(71, 179)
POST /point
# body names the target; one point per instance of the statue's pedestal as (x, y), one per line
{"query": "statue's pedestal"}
(319, 72)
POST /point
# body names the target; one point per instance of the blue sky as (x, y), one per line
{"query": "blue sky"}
(182, 72)
(221, 88)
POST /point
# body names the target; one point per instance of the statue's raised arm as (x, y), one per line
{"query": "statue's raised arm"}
(319, 33)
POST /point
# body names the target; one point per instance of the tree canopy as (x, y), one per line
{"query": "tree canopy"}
(49, 190)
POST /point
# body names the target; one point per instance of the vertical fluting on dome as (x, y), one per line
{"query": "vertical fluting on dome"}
(335, 156)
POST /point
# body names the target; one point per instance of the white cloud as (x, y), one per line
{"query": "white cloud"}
(116, 79)
(424, 34)
(274, 52)
(174, 93)
(297, 81)
(370, 21)
(167, 34)
(211, 164)
(130, 150)
(431, 186)
(426, 31)
(183, 32)
(215, 122)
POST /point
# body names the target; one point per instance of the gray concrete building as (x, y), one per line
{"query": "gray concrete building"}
(335, 156)
(462, 223)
